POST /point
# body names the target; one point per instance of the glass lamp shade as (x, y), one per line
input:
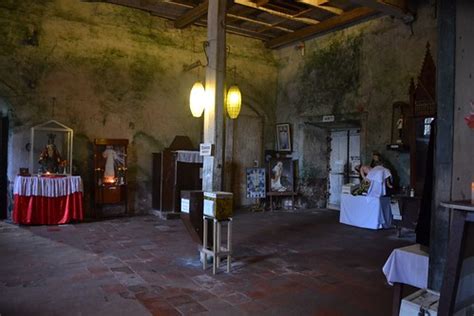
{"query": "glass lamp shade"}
(234, 102)
(197, 99)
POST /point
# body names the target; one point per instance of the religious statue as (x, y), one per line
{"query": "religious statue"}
(276, 179)
(400, 129)
(111, 156)
(50, 158)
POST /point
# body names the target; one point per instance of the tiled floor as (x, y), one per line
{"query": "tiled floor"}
(285, 264)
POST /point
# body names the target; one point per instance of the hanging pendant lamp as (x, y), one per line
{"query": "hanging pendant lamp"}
(197, 99)
(234, 101)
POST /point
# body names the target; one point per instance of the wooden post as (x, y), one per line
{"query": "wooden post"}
(444, 141)
(214, 113)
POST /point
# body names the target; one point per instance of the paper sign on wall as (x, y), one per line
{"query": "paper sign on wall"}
(205, 149)
(328, 118)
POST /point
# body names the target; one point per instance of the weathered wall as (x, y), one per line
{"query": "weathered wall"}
(358, 72)
(113, 72)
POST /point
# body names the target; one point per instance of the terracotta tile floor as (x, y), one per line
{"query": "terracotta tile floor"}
(285, 264)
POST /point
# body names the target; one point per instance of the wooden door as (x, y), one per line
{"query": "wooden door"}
(344, 156)
(248, 147)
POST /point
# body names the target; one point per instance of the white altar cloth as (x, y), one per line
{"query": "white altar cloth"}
(365, 211)
(47, 186)
(407, 265)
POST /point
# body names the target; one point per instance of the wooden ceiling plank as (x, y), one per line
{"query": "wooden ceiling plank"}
(263, 29)
(266, 24)
(192, 15)
(396, 8)
(322, 6)
(326, 25)
(251, 4)
(261, 2)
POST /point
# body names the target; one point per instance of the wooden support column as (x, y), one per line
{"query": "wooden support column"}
(214, 114)
(444, 141)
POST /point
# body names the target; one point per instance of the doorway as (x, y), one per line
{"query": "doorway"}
(344, 148)
(3, 166)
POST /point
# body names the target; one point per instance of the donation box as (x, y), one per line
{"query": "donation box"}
(218, 205)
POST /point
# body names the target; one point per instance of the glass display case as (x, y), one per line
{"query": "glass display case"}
(110, 173)
(51, 149)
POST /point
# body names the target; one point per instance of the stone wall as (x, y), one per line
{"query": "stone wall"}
(356, 73)
(113, 72)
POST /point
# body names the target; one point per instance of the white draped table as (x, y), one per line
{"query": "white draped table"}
(408, 265)
(365, 211)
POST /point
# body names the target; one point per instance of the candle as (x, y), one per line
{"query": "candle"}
(472, 192)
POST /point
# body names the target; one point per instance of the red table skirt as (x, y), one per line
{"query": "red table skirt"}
(47, 210)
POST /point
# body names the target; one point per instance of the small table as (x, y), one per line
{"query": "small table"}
(406, 265)
(47, 200)
(217, 251)
(280, 194)
(462, 212)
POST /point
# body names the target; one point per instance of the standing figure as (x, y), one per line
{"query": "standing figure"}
(110, 155)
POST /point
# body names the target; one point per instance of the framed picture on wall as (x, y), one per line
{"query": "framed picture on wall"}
(283, 134)
(280, 171)
(256, 183)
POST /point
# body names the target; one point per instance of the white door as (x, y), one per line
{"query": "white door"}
(344, 156)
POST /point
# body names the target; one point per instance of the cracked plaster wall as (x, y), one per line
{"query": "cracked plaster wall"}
(112, 72)
(359, 71)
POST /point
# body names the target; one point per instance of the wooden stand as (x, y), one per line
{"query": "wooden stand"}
(280, 194)
(462, 212)
(217, 250)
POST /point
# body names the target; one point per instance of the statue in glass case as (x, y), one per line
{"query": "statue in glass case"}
(50, 158)
(112, 157)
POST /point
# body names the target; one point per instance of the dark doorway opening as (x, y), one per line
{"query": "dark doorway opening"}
(3, 166)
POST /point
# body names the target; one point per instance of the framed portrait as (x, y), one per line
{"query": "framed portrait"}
(280, 172)
(256, 187)
(283, 137)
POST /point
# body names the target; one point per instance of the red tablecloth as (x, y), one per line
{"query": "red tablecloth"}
(47, 200)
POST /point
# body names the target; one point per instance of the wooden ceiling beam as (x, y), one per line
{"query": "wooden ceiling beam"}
(287, 16)
(326, 25)
(396, 8)
(322, 5)
(192, 15)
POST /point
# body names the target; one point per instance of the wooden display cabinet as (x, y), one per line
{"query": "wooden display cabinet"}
(110, 174)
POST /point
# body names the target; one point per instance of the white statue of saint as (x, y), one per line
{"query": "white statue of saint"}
(110, 155)
(276, 179)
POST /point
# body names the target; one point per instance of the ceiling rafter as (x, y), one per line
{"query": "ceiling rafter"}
(277, 13)
(268, 25)
(396, 8)
(326, 25)
(277, 22)
(191, 16)
(322, 5)
(274, 25)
